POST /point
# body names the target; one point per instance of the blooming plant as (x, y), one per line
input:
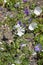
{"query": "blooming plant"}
(21, 32)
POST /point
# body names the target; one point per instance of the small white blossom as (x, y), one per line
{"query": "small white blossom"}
(37, 11)
(20, 33)
(32, 26)
(20, 30)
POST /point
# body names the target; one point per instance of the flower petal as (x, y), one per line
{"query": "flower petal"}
(37, 11)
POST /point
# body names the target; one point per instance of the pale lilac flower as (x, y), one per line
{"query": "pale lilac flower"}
(38, 48)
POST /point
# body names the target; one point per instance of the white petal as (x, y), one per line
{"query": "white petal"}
(32, 26)
(37, 11)
(20, 33)
(20, 30)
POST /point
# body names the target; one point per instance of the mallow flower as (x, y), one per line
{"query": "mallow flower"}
(38, 48)
(32, 26)
(37, 11)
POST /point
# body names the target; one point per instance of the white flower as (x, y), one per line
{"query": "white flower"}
(20, 33)
(37, 11)
(32, 26)
(5, 1)
(20, 30)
